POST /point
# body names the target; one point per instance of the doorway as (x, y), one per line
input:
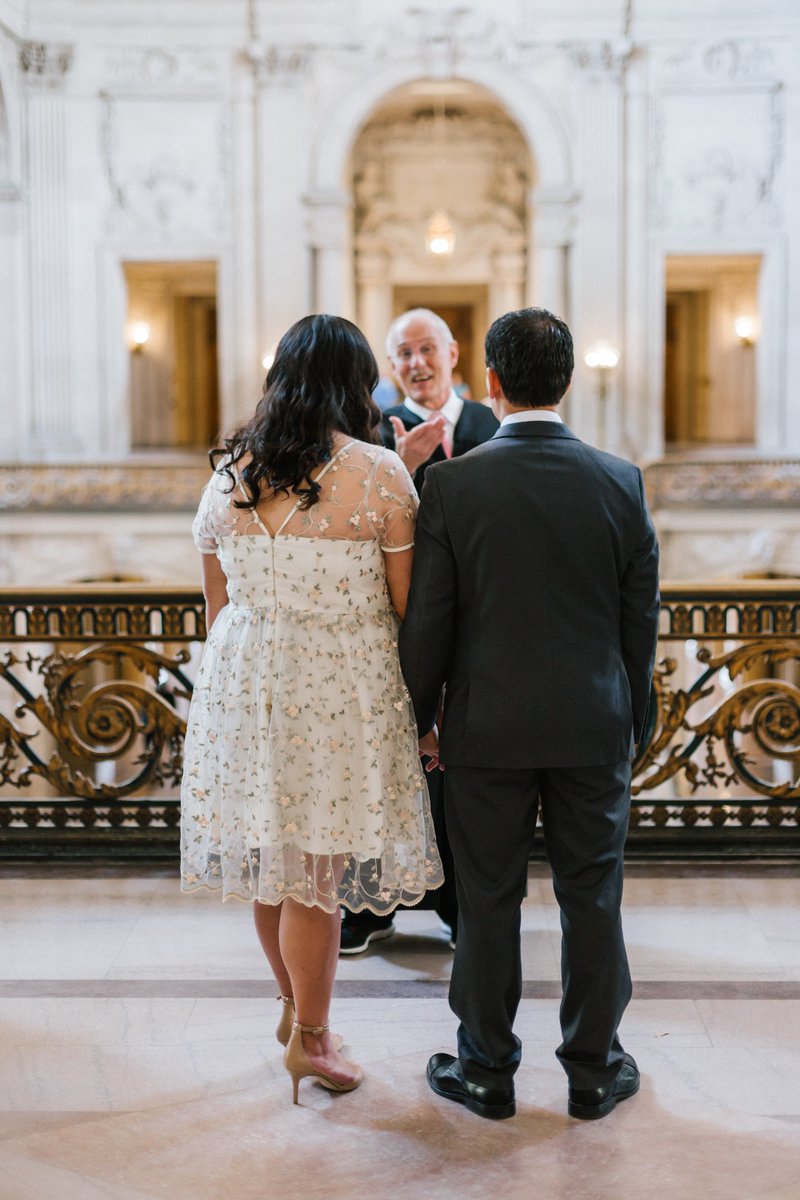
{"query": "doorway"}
(710, 348)
(174, 372)
(463, 308)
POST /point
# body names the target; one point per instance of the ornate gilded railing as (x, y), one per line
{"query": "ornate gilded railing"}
(94, 691)
(95, 684)
(722, 755)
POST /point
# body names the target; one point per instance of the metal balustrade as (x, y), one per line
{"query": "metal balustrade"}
(96, 682)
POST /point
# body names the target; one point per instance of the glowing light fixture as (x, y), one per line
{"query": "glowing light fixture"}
(745, 328)
(602, 356)
(140, 336)
(268, 360)
(439, 237)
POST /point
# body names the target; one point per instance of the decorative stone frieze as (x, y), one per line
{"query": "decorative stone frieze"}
(165, 177)
(749, 483)
(721, 172)
(153, 69)
(113, 487)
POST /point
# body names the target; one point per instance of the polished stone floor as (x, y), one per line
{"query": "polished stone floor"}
(138, 1059)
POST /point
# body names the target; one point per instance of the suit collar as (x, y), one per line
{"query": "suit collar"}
(524, 429)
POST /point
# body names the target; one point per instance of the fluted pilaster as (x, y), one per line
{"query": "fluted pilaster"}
(44, 69)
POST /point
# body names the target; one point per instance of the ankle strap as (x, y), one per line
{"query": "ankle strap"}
(317, 1030)
(285, 999)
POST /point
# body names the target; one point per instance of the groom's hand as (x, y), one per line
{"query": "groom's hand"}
(429, 749)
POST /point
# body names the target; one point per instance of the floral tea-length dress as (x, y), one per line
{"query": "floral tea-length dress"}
(302, 775)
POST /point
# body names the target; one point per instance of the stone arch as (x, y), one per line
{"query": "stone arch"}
(345, 115)
(527, 107)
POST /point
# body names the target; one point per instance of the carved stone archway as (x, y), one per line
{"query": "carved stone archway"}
(450, 149)
(478, 61)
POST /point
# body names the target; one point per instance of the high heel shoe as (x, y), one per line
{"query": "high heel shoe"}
(299, 1065)
(284, 1030)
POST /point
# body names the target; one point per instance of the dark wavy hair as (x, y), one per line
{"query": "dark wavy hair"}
(321, 381)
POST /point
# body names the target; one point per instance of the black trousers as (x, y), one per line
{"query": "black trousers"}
(442, 900)
(491, 817)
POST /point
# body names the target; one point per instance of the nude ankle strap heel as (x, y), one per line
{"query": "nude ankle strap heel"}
(299, 1066)
(286, 1021)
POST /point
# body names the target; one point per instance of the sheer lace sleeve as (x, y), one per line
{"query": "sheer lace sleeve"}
(392, 503)
(215, 515)
(203, 524)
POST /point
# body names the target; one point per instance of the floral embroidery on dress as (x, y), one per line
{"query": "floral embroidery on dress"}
(301, 771)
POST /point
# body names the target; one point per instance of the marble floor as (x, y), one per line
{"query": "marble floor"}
(139, 1061)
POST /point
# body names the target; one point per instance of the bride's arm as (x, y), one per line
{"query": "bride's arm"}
(398, 578)
(215, 588)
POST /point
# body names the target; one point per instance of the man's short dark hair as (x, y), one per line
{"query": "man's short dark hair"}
(531, 351)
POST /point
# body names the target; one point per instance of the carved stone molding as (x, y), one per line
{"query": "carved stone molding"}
(117, 487)
(734, 61)
(153, 69)
(280, 66)
(45, 65)
(601, 62)
(753, 483)
(717, 158)
(168, 178)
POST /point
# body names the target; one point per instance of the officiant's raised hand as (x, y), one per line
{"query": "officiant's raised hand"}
(416, 445)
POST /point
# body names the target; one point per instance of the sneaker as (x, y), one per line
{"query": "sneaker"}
(359, 929)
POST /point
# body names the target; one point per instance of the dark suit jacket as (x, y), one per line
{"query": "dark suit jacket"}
(476, 425)
(534, 596)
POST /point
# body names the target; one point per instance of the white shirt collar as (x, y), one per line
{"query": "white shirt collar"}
(451, 409)
(532, 414)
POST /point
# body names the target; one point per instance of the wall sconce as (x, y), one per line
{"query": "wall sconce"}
(140, 336)
(602, 357)
(268, 359)
(745, 328)
(440, 241)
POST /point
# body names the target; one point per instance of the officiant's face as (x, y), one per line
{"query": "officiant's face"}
(423, 362)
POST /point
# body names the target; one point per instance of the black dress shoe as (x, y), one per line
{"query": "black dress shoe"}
(361, 928)
(591, 1103)
(444, 1076)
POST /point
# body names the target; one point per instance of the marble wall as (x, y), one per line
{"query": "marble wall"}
(226, 131)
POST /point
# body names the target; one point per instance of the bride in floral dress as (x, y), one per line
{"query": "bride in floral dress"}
(302, 787)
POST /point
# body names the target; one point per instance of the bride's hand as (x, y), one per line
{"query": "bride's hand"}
(429, 749)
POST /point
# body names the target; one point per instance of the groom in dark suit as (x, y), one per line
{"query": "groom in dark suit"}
(534, 602)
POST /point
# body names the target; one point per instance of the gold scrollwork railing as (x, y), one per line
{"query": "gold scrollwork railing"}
(723, 748)
(95, 691)
(95, 684)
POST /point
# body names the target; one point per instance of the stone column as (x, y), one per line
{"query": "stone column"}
(329, 225)
(282, 129)
(12, 323)
(552, 225)
(553, 216)
(596, 303)
(507, 282)
(52, 330)
(374, 300)
(641, 415)
(246, 326)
